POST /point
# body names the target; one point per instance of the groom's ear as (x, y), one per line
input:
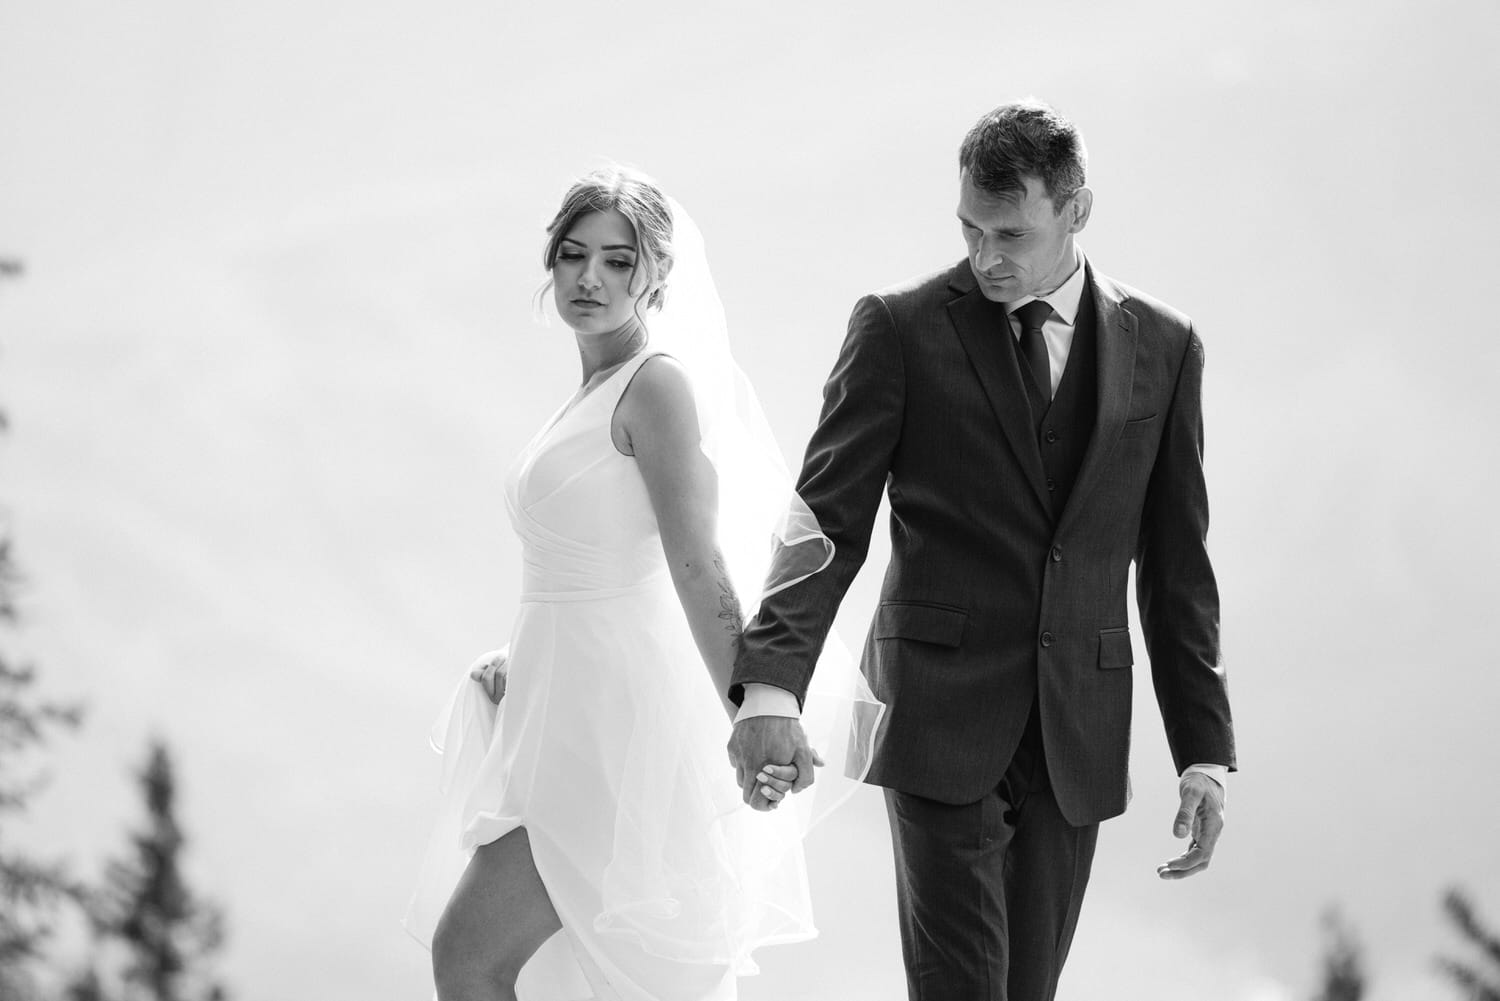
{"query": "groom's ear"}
(1078, 209)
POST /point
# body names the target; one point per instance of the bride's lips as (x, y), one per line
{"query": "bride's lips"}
(586, 303)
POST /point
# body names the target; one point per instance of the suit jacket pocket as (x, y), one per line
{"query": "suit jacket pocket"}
(1138, 426)
(1114, 648)
(942, 625)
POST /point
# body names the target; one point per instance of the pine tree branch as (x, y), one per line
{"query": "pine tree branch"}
(1343, 961)
(1461, 912)
(1469, 980)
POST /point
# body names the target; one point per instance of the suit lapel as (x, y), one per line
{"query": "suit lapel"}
(994, 361)
(1116, 337)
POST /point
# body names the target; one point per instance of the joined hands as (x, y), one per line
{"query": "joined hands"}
(771, 757)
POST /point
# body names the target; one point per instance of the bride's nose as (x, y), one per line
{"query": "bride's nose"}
(588, 278)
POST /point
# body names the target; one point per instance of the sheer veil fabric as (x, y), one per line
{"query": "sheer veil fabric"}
(694, 876)
(771, 540)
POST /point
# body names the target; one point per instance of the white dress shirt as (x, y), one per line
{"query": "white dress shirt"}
(1057, 331)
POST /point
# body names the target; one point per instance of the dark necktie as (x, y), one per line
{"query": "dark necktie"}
(1034, 345)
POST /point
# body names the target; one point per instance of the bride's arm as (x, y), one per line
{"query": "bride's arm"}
(658, 421)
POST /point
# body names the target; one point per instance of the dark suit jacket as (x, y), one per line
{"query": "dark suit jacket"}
(989, 602)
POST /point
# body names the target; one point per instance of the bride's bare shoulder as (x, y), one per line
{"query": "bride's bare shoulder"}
(657, 406)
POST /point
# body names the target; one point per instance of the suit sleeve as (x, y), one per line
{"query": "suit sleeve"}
(1175, 586)
(843, 476)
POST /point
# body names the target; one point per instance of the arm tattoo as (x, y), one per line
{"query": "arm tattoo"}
(729, 602)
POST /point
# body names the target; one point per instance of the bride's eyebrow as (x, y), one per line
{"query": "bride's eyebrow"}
(609, 246)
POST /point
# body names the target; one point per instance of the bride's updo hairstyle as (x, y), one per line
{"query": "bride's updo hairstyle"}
(636, 197)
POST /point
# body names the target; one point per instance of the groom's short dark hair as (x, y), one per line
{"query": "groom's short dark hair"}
(1021, 139)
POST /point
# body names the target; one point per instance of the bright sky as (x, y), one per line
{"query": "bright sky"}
(274, 349)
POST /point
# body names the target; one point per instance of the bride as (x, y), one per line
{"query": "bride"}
(591, 831)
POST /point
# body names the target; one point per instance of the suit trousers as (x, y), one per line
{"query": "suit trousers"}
(989, 892)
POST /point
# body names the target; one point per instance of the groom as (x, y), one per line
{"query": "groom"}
(1037, 426)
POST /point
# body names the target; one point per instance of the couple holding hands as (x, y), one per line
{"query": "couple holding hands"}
(1036, 426)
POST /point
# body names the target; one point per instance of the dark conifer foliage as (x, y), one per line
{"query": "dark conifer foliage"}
(1343, 961)
(152, 936)
(1478, 979)
(34, 890)
(147, 912)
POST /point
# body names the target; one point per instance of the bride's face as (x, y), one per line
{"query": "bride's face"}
(594, 277)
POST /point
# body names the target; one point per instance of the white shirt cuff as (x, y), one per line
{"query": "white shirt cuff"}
(767, 700)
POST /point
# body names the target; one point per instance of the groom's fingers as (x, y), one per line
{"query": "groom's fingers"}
(1207, 827)
(1202, 816)
(1194, 860)
(748, 785)
(760, 740)
(1182, 825)
(803, 759)
(1205, 797)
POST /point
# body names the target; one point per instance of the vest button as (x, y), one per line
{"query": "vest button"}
(1056, 554)
(1051, 483)
(1048, 639)
(1051, 436)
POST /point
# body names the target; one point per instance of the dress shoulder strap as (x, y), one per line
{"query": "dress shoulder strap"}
(620, 381)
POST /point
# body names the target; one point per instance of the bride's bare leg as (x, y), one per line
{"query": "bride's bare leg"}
(498, 916)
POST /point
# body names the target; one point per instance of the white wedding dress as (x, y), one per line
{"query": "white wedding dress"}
(609, 748)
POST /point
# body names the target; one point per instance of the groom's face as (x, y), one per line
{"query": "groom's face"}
(1019, 244)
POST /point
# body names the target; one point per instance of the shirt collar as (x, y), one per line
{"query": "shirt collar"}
(1065, 298)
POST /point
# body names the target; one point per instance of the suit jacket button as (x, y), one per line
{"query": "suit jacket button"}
(1056, 554)
(1048, 639)
(1051, 483)
(1051, 436)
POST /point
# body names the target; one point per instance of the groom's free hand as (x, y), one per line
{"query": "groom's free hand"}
(1200, 815)
(770, 740)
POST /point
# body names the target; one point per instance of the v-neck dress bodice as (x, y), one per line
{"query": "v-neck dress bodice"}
(580, 506)
(608, 747)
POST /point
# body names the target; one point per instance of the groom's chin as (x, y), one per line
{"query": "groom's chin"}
(998, 291)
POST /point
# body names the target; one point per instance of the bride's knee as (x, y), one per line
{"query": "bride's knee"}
(461, 978)
(463, 969)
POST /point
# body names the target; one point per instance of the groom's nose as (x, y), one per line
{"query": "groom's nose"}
(988, 259)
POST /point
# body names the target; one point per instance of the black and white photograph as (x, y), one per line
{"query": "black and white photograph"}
(807, 502)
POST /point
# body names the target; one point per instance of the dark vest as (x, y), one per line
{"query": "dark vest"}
(1064, 425)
